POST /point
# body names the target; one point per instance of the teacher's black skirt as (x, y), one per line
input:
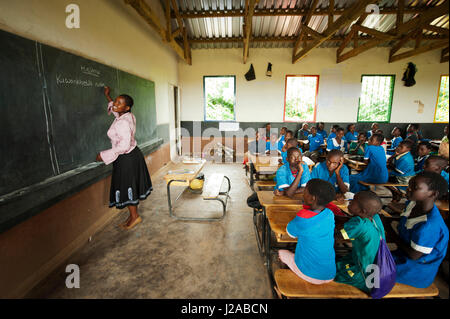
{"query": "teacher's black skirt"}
(130, 180)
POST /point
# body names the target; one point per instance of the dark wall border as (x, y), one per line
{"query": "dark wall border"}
(429, 130)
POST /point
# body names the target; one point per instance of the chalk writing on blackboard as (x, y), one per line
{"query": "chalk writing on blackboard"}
(61, 80)
(90, 71)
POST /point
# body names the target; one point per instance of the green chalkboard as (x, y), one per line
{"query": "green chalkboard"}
(55, 113)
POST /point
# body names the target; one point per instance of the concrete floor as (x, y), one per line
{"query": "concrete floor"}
(166, 258)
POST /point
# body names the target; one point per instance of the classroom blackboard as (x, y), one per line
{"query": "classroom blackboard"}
(54, 111)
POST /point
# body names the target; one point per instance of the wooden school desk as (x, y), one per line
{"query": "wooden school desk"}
(356, 165)
(183, 175)
(262, 164)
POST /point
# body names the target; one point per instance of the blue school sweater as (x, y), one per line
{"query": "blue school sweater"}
(427, 234)
(404, 165)
(321, 171)
(314, 253)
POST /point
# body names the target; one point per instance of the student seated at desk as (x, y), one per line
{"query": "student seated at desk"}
(364, 229)
(436, 164)
(292, 177)
(411, 134)
(315, 142)
(351, 134)
(358, 147)
(332, 132)
(423, 152)
(401, 164)
(338, 142)
(314, 258)
(321, 130)
(289, 134)
(376, 170)
(373, 129)
(292, 142)
(258, 146)
(397, 138)
(333, 171)
(422, 237)
(272, 145)
(282, 138)
(303, 133)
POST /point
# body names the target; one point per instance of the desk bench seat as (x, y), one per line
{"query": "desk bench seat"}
(290, 285)
(266, 184)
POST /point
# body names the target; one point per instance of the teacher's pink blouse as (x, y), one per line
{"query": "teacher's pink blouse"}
(121, 134)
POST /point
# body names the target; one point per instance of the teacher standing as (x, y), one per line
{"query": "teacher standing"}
(130, 180)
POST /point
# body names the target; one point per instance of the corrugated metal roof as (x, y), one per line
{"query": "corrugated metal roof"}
(264, 26)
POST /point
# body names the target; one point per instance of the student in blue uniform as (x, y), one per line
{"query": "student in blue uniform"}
(257, 146)
(423, 152)
(272, 145)
(303, 133)
(315, 142)
(332, 132)
(292, 142)
(351, 134)
(397, 138)
(338, 142)
(402, 163)
(436, 164)
(321, 130)
(402, 168)
(376, 171)
(292, 177)
(374, 127)
(314, 258)
(333, 171)
(289, 134)
(282, 138)
(411, 134)
(422, 237)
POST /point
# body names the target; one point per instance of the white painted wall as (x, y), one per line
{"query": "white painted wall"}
(110, 32)
(262, 100)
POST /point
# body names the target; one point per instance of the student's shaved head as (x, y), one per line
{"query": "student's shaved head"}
(437, 160)
(369, 201)
(292, 142)
(292, 150)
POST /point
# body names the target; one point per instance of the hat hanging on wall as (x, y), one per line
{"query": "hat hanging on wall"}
(409, 74)
(250, 75)
(269, 69)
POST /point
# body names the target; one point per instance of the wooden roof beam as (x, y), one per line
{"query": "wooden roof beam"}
(249, 9)
(294, 38)
(286, 12)
(304, 24)
(350, 15)
(150, 17)
(410, 27)
(182, 27)
(419, 50)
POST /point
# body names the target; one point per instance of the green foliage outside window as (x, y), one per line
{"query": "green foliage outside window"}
(441, 114)
(219, 98)
(301, 94)
(375, 101)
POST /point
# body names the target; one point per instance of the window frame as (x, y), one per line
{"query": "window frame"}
(204, 98)
(390, 100)
(437, 98)
(315, 100)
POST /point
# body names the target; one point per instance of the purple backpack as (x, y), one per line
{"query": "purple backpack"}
(388, 273)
